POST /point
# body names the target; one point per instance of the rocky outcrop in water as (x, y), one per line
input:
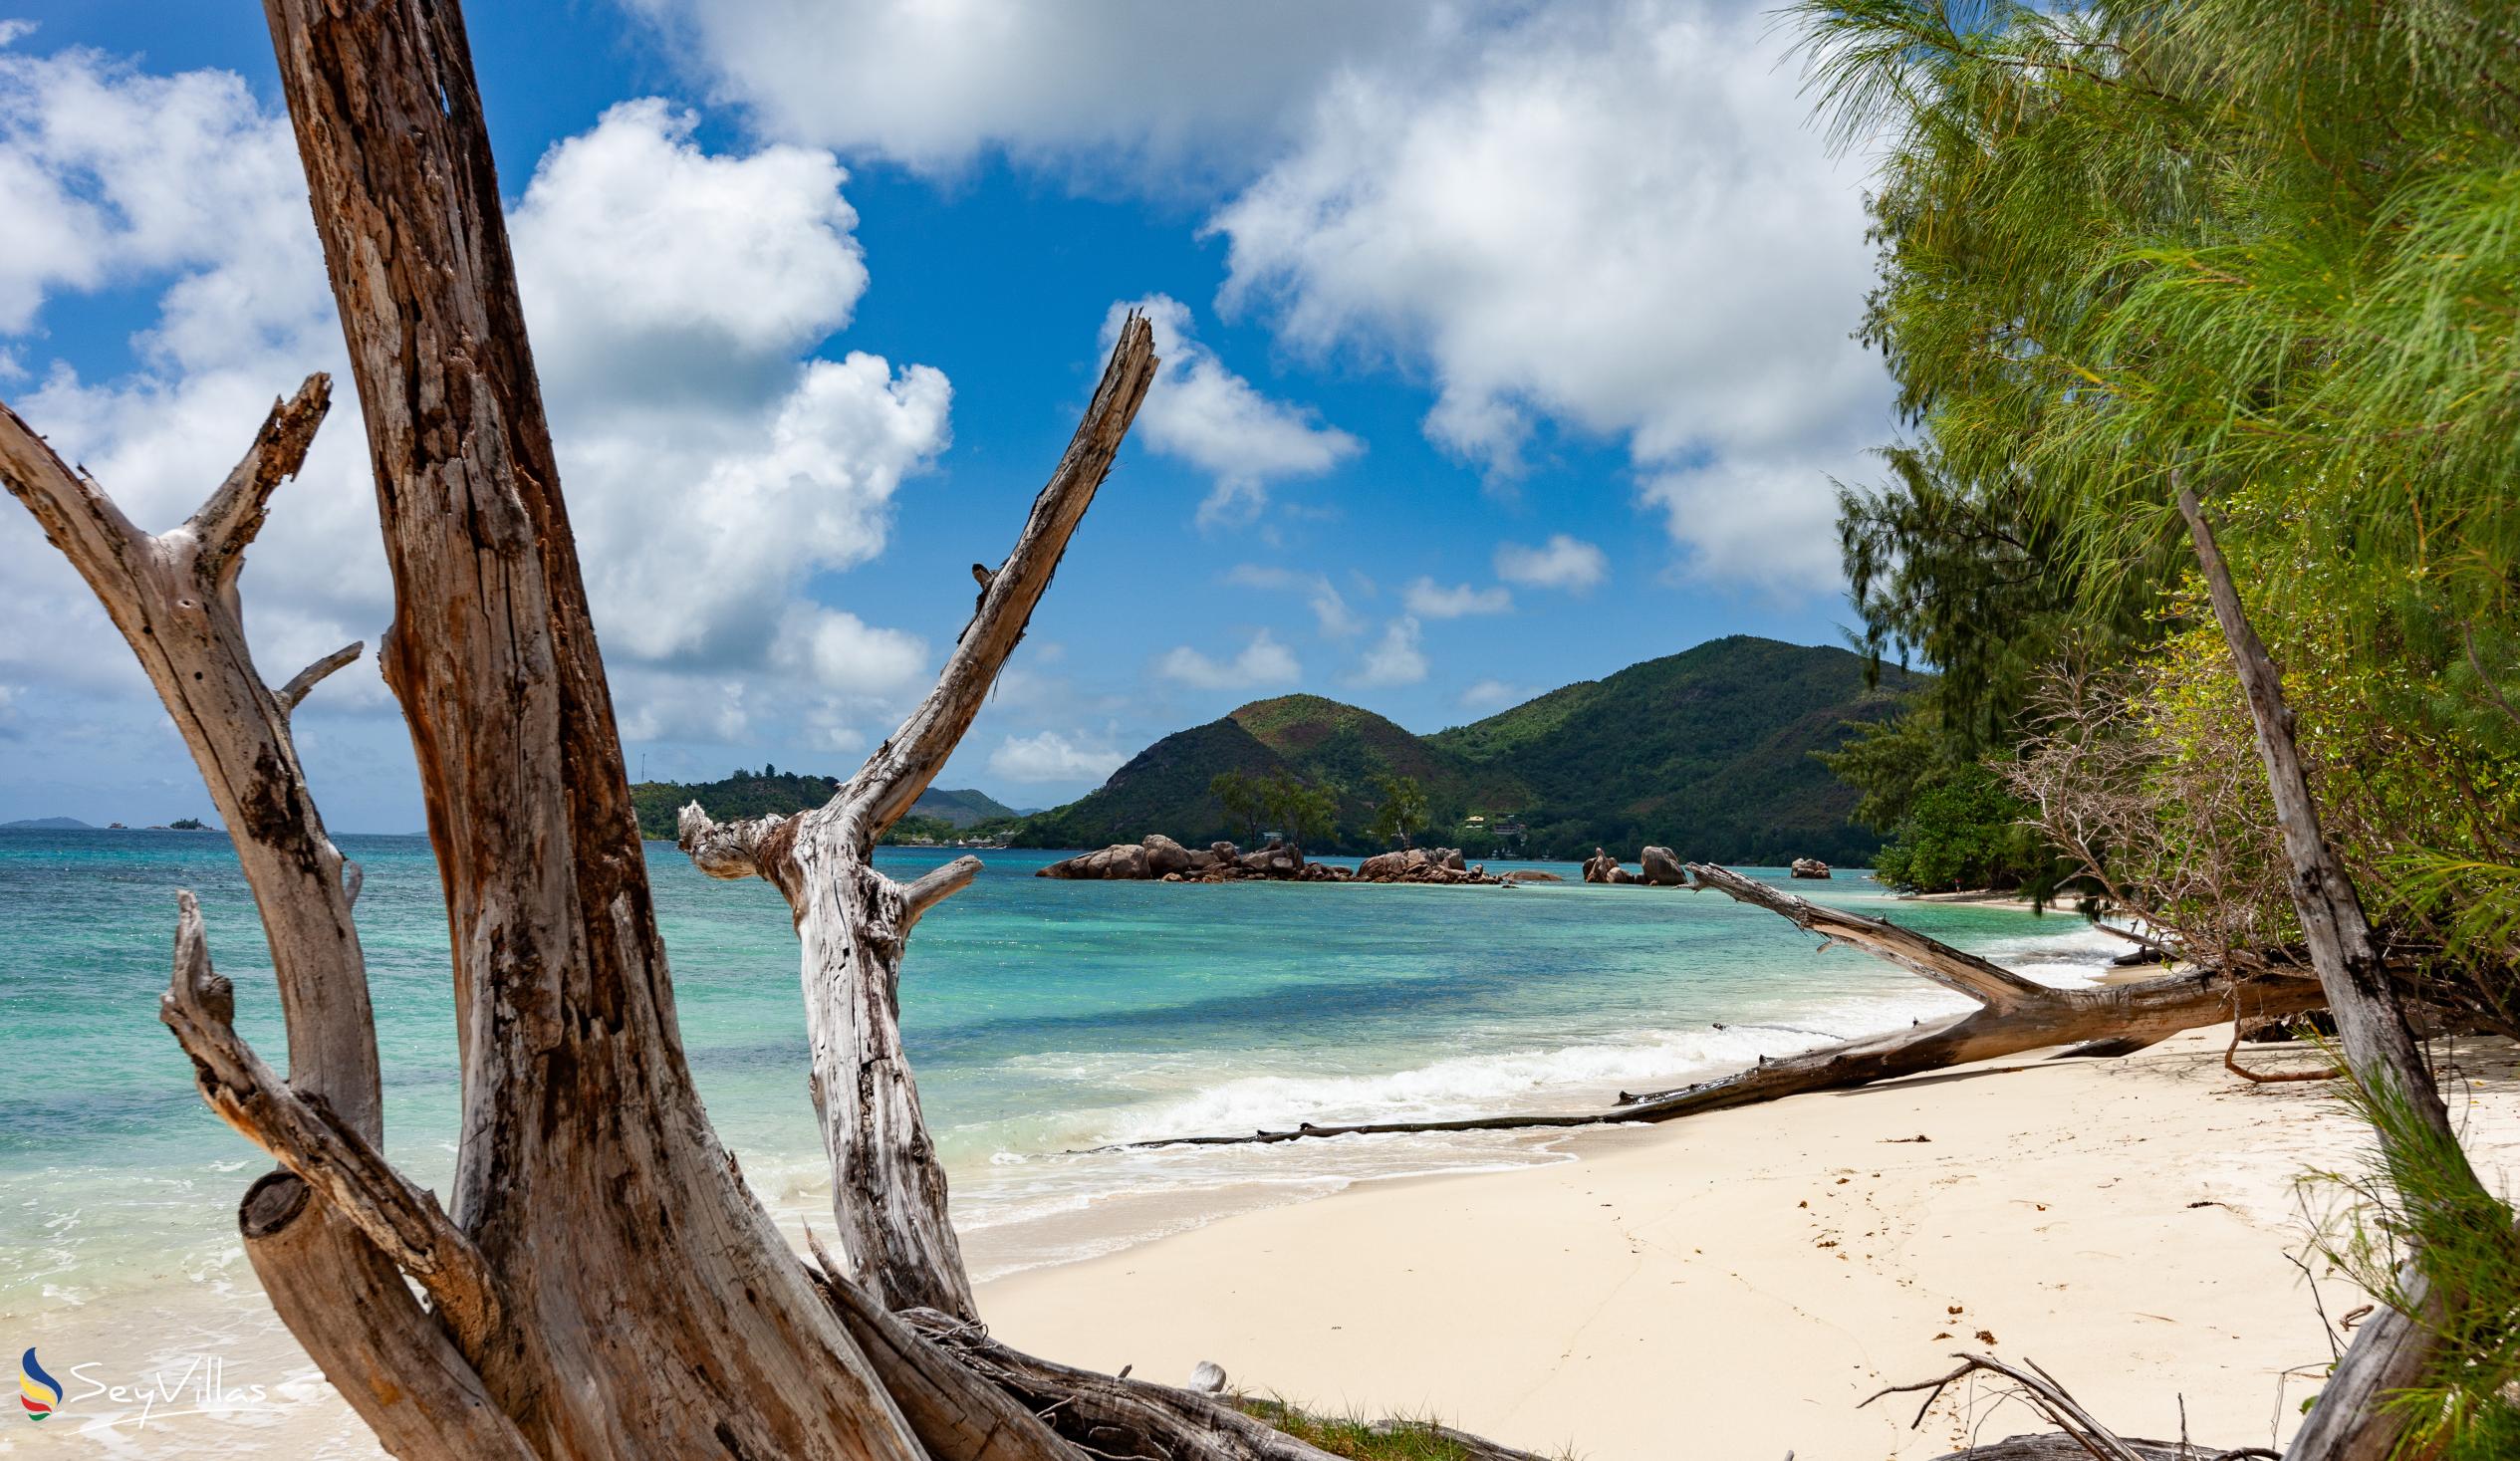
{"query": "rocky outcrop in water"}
(1603, 867)
(1810, 868)
(1422, 865)
(1160, 859)
(1662, 868)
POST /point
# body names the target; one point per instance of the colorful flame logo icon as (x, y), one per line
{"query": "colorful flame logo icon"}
(38, 1391)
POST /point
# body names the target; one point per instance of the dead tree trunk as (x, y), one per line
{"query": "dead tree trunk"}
(604, 1285)
(173, 596)
(2350, 1422)
(888, 1189)
(2014, 1015)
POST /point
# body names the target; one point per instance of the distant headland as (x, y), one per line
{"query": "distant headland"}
(1709, 752)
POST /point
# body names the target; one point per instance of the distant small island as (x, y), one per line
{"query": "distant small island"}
(938, 818)
(48, 824)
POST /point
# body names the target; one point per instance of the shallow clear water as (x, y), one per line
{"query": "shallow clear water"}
(1041, 1016)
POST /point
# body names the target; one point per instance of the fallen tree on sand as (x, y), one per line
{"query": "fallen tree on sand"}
(2014, 1015)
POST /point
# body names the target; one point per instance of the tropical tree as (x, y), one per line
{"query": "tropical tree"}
(1402, 811)
(1303, 813)
(2204, 317)
(1244, 797)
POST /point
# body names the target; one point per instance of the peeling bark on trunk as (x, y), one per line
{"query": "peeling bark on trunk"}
(2014, 1015)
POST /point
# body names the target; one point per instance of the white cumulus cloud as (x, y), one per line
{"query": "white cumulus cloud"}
(651, 263)
(1203, 413)
(1330, 606)
(1616, 217)
(1263, 664)
(1564, 562)
(1124, 86)
(713, 466)
(1052, 756)
(1428, 599)
(1486, 695)
(1395, 658)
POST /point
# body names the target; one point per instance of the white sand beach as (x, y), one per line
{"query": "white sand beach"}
(1733, 1285)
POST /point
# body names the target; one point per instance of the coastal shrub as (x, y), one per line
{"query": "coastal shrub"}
(1966, 832)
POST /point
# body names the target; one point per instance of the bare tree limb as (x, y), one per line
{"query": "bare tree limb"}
(1109, 1415)
(173, 598)
(2378, 1044)
(957, 1414)
(222, 527)
(352, 1308)
(2231, 1063)
(902, 767)
(2351, 1420)
(304, 681)
(934, 886)
(727, 849)
(1997, 988)
(404, 1222)
(888, 1189)
(2044, 1393)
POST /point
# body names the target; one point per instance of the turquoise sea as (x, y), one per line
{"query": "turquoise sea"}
(1040, 1017)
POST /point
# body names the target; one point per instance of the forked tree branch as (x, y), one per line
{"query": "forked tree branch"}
(888, 1189)
(310, 1140)
(234, 514)
(902, 767)
(174, 596)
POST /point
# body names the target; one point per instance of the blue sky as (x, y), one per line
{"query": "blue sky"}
(1506, 345)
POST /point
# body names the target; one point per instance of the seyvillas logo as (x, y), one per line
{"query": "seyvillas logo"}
(199, 1387)
(38, 1391)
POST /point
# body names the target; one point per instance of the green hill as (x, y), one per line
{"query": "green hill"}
(1707, 751)
(769, 792)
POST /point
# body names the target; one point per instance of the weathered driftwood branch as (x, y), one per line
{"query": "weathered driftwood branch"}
(2351, 1420)
(2043, 1395)
(175, 598)
(888, 1189)
(1113, 1415)
(2014, 1015)
(934, 886)
(354, 1313)
(958, 1414)
(2081, 1437)
(304, 681)
(403, 1221)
